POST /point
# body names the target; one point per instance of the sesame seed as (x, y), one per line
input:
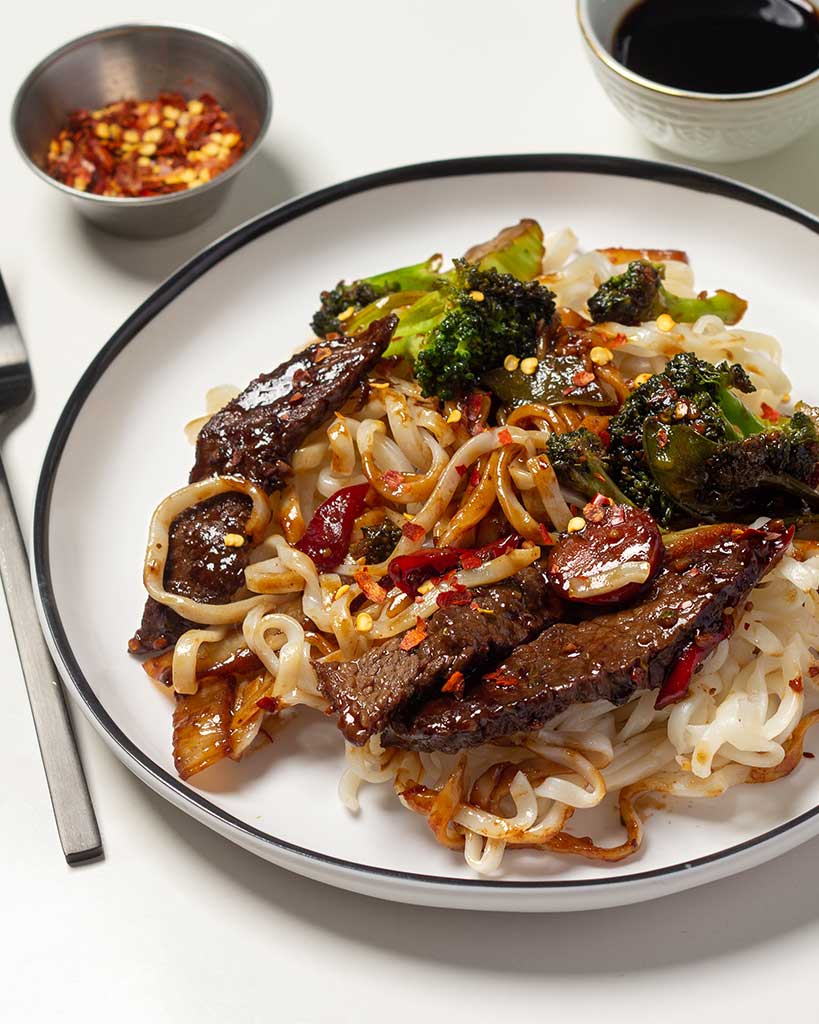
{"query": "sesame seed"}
(511, 363)
(576, 524)
(152, 135)
(641, 378)
(348, 312)
(195, 107)
(425, 587)
(234, 540)
(665, 322)
(102, 131)
(363, 622)
(454, 416)
(477, 296)
(600, 355)
(342, 590)
(147, 149)
(528, 366)
(379, 384)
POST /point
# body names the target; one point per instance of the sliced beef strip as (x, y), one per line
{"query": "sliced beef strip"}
(200, 566)
(253, 436)
(705, 577)
(365, 692)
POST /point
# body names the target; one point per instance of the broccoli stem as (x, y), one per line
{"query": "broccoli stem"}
(739, 415)
(420, 277)
(727, 306)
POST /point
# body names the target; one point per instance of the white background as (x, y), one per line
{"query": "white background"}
(175, 923)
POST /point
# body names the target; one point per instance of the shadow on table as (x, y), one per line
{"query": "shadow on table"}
(716, 920)
(788, 173)
(265, 183)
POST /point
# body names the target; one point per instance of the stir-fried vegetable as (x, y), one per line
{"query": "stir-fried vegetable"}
(638, 295)
(685, 442)
(579, 460)
(354, 296)
(454, 336)
(555, 381)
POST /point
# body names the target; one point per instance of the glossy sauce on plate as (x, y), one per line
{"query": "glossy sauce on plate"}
(720, 46)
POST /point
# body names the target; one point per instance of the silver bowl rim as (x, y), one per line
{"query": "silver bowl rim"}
(131, 202)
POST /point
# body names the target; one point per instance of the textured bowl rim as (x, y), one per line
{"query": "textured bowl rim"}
(601, 52)
(132, 202)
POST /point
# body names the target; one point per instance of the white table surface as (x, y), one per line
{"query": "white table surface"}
(176, 923)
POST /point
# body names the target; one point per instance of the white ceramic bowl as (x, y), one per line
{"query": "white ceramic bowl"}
(705, 126)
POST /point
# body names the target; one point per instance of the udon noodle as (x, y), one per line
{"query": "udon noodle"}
(743, 720)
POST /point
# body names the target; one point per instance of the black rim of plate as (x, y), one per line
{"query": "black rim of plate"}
(664, 173)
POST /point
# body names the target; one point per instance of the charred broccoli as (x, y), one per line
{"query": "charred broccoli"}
(684, 442)
(638, 295)
(378, 542)
(421, 277)
(456, 335)
(516, 250)
(579, 460)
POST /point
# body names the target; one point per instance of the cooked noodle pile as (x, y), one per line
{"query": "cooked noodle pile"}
(453, 483)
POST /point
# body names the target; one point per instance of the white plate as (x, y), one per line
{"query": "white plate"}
(241, 307)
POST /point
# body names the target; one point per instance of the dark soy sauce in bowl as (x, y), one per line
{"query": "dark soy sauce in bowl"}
(720, 46)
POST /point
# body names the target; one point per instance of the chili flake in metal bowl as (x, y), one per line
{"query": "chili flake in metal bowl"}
(141, 148)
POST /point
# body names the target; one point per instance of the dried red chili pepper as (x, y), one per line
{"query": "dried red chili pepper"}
(675, 688)
(408, 572)
(327, 537)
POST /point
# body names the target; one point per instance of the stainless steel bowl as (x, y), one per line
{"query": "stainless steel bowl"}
(138, 62)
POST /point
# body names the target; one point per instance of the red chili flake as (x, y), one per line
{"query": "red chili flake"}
(605, 437)
(504, 436)
(568, 390)
(481, 611)
(475, 477)
(618, 339)
(796, 684)
(662, 437)
(474, 412)
(545, 536)
(455, 684)
(461, 470)
(499, 678)
(808, 755)
(770, 414)
(469, 560)
(268, 704)
(321, 353)
(297, 397)
(415, 636)
(372, 591)
(582, 378)
(394, 480)
(133, 148)
(813, 671)
(413, 531)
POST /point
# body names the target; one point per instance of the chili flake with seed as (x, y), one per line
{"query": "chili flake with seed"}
(415, 636)
(142, 148)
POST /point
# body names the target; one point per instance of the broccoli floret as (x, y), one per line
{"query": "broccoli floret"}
(685, 442)
(378, 542)
(579, 460)
(638, 295)
(455, 337)
(421, 277)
